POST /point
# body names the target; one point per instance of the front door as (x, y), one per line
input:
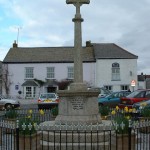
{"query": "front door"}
(51, 89)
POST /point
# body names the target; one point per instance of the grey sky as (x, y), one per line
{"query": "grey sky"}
(49, 23)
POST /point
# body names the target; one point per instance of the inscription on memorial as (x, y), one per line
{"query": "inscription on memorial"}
(77, 103)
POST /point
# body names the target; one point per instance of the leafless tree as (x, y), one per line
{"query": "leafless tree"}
(6, 82)
(63, 84)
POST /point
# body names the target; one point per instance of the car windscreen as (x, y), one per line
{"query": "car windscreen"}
(43, 96)
(51, 96)
(107, 96)
(105, 91)
(114, 94)
(48, 95)
(135, 94)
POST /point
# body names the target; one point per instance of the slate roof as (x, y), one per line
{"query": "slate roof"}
(143, 77)
(50, 83)
(65, 54)
(111, 51)
(30, 83)
(46, 54)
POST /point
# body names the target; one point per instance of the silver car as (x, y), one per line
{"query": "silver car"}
(8, 103)
(48, 97)
(48, 100)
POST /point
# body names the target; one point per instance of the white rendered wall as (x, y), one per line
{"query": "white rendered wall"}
(104, 72)
(95, 74)
(141, 85)
(17, 73)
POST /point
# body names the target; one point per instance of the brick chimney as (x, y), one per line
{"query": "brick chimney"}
(15, 45)
(88, 44)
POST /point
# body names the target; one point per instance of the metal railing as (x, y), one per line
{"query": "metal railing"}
(46, 135)
(80, 136)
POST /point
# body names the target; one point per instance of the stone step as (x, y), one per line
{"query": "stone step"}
(75, 146)
(74, 137)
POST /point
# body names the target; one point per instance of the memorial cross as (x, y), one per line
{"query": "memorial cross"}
(78, 66)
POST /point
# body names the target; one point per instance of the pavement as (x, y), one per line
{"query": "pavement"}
(27, 101)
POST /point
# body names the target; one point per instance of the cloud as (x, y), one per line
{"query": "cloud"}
(49, 23)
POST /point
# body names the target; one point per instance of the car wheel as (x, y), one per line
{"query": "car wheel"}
(8, 106)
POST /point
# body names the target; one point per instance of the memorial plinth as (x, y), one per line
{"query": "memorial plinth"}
(78, 106)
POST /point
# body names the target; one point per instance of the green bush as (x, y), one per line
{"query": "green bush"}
(145, 112)
(104, 110)
(54, 111)
(11, 114)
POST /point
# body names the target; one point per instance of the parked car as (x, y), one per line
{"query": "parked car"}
(112, 99)
(135, 97)
(142, 108)
(48, 100)
(140, 105)
(102, 91)
(8, 103)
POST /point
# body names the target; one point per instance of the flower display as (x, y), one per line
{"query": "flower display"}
(122, 124)
(30, 111)
(120, 119)
(27, 125)
(126, 109)
(117, 108)
(113, 112)
(41, 111)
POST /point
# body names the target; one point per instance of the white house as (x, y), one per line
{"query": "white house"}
(31, 71)
(0, 77)
(115, 67)
(143, 81)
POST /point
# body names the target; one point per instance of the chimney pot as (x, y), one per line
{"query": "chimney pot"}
(88, 44)
(15, 45)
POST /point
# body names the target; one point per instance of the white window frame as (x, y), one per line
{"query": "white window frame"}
(124, 87)
(29, 72)
(108, 87)
(115, 72)
(51, 72)
(30, 91)
(70, 72)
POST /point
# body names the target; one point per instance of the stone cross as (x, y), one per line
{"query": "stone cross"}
(78, 66)
(78, 104)
(78, 1)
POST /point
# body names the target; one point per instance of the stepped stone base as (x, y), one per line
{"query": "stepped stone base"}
(75, 137)
(76, 146)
